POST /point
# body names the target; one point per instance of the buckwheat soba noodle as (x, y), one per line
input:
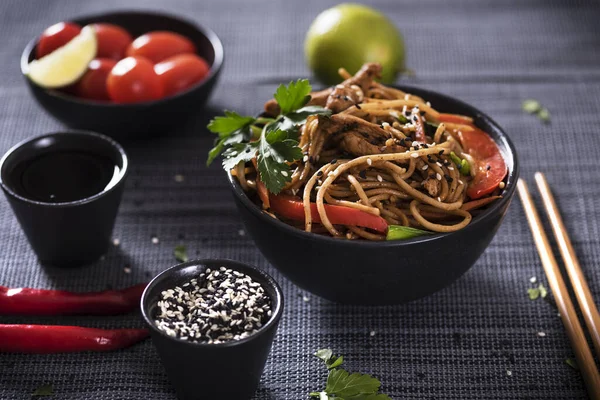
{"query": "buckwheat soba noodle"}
(381, 161)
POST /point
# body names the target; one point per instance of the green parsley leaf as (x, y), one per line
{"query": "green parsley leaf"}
(231, 122)
(180, 253)
(293, 96)
(232, 128)
(572, 363)
(531, 106)
(330, 360)
(237, 153)
(343, 384)
(324, 354)
(275, 148)
(44, 390)
(291, 120)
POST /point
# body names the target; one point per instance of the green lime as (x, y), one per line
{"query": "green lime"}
(349, 35)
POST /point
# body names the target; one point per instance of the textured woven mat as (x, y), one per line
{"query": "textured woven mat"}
(477, 339)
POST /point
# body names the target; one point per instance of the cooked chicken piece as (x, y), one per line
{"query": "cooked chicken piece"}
(433, 186)
(363, 80)
(356, 136)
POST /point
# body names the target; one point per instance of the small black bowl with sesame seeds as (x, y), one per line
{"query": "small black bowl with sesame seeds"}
(213, 323)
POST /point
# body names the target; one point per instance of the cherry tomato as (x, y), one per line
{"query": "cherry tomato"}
(133, 80)
(56, 36)
(93, 83)
(180, 72)
(112, 41)
(160, 45)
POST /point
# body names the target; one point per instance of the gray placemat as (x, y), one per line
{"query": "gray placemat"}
(477, 339)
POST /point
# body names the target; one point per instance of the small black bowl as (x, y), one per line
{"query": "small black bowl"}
(139, 119)
(67, 233)
(229, 370)
(377, 273)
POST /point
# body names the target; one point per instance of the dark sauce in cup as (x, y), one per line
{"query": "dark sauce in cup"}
(63, 176)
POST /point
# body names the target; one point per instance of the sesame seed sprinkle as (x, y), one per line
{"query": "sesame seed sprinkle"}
(369, 161)
(438, 176)
(414, 155)
(218, 306)
(379, 178)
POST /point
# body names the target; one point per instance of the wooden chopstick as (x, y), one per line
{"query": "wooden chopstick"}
(580, 286)
(583, 355)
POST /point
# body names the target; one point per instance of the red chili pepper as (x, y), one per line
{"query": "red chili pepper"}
(25, 301)
(47, 339)
(292, 208)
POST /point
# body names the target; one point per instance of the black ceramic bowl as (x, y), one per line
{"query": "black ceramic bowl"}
(363, 272)
(229, 370)
(140, 119)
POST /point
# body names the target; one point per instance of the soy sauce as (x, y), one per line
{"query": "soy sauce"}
(63, 176)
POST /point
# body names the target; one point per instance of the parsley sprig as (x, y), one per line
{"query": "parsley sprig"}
(273, 141)
(343, 385)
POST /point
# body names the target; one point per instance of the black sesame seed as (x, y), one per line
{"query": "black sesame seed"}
(357, 106)
(488, 167)
(320, 173)
(333, 161)
(441, 152)
(363, 174)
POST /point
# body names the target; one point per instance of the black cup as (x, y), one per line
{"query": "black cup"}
(67, 233)
(229, 370)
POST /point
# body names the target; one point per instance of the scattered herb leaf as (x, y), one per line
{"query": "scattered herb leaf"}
(572, 363)
(44, 390)
(531, 106)
(537, 292)
(544, 115)
(274, 139)
(180, 253)
(534, 107)
(342, 384)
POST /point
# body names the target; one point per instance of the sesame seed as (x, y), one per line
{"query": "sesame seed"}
(379, 178)
(439, 199)
(414, 155)
(369, 161)
(116, 242)
(461, 182)
(305, 299)
(508, 372)
(242, 232)
(438, 176)
(533, 279)
(127, 270)
(179, 178)
(424, 168)
(154, 240)
(372, 333)
(406, 96)
(284, 173)
(541, 334)
(305, 158)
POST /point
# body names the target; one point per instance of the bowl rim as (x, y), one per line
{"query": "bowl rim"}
(491, 211)
(67, 133)
(214, 70)
(265, 278)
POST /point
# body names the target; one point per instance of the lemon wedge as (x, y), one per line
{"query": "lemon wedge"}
(66, 64)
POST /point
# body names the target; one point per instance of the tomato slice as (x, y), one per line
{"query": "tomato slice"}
(293, 208)
(490, 168)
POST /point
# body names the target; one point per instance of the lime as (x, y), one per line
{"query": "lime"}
(66, 64)
(349, 35)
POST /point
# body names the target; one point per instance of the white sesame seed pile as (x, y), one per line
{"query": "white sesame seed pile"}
(216, 307)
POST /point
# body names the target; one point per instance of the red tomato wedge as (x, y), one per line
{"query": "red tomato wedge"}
(292, 208)
(490, 168)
